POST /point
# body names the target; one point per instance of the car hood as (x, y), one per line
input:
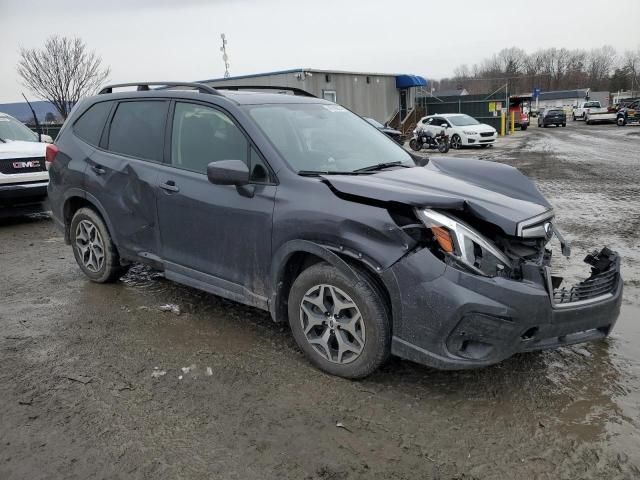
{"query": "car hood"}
(496, 193)
(19, 149)
(482, 127)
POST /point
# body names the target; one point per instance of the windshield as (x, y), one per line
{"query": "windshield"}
(316, 137)
(463, 120)
(12, 129)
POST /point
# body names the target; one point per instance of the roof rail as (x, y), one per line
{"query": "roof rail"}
(296, 91)
(144, 86)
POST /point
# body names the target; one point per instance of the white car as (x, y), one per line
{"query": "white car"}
(462, 129)
(23, 173)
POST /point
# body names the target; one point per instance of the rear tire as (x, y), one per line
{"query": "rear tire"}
(443, 147)
(93, 248)
(564, 124)
(342, 326)
(523, 127)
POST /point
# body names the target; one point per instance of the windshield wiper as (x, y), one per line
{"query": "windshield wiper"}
(380, 166)
(315, 173)
(3, 140)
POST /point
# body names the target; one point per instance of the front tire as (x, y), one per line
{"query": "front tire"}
(523, 127)
(342, 326)
(564, 124)
(93, 248)
(456, 142)
(620, 121)
(414, 145)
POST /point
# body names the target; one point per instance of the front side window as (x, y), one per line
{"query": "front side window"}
(202, 135)
(137, 129)
(12, 129)
(316, 137)
(89, 126)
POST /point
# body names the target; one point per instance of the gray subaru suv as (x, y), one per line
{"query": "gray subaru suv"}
(297, 206)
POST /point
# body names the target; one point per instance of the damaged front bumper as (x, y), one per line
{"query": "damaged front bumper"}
(459, 320)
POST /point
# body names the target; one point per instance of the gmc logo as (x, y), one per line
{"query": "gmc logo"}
(29, 164)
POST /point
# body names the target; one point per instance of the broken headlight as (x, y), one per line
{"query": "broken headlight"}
(464, 246)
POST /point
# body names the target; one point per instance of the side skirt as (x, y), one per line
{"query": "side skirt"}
(217, 286)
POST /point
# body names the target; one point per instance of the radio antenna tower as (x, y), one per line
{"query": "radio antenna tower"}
(225, 57)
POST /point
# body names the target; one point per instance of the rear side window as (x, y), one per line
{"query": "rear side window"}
(90, 124)
(137, 129)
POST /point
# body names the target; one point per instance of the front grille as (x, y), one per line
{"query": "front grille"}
(486, 134)
(22, 165)
(596, 285)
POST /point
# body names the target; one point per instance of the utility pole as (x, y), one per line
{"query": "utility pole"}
(225, 57)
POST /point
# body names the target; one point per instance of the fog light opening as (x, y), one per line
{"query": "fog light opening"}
(529, 334)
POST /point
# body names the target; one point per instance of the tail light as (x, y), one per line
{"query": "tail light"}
(50, 155)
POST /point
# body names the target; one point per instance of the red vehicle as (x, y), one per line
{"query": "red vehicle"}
(520, 105)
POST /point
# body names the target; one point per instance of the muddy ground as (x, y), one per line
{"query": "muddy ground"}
(79, 397)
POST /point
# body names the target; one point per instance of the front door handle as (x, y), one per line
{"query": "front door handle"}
(98, 169)
(170, 186)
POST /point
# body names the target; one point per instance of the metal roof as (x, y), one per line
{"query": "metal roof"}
(560, 94)
(450, 93)
(299, 70)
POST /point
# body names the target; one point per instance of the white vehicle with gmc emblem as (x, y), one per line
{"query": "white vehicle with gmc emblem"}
(23, 173)
(462, 129)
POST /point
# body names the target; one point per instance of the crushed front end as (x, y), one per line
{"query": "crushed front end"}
(497, 295)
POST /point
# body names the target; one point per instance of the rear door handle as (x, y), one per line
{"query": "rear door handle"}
(170, 186)
(98, 169)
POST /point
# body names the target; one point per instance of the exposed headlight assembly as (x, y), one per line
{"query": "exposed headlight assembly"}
(464, 246)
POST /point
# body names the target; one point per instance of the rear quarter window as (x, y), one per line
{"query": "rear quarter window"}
(91, 123)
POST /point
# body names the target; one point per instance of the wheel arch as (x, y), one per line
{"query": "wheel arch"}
(297, 255)
(75, 202)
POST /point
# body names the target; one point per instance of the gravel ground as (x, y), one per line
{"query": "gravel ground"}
(97, 381)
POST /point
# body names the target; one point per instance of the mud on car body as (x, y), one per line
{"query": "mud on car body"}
(297, 206)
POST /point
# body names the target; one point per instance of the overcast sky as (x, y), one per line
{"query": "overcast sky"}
(180, 39)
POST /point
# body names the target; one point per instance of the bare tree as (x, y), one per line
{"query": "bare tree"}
(600, 64)
(632, 65)
(62, 72)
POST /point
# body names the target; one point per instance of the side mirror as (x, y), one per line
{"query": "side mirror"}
(444, 125)
(228, 172)
(46, 139)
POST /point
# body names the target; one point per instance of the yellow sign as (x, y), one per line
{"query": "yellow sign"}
(492, 106)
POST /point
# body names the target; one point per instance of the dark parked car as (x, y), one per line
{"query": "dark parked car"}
(295, 205)
(552, 116)
(392, 133)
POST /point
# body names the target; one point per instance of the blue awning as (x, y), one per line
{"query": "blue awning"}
(406, 81)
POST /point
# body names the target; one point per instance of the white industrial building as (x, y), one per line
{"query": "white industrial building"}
(569, 99)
